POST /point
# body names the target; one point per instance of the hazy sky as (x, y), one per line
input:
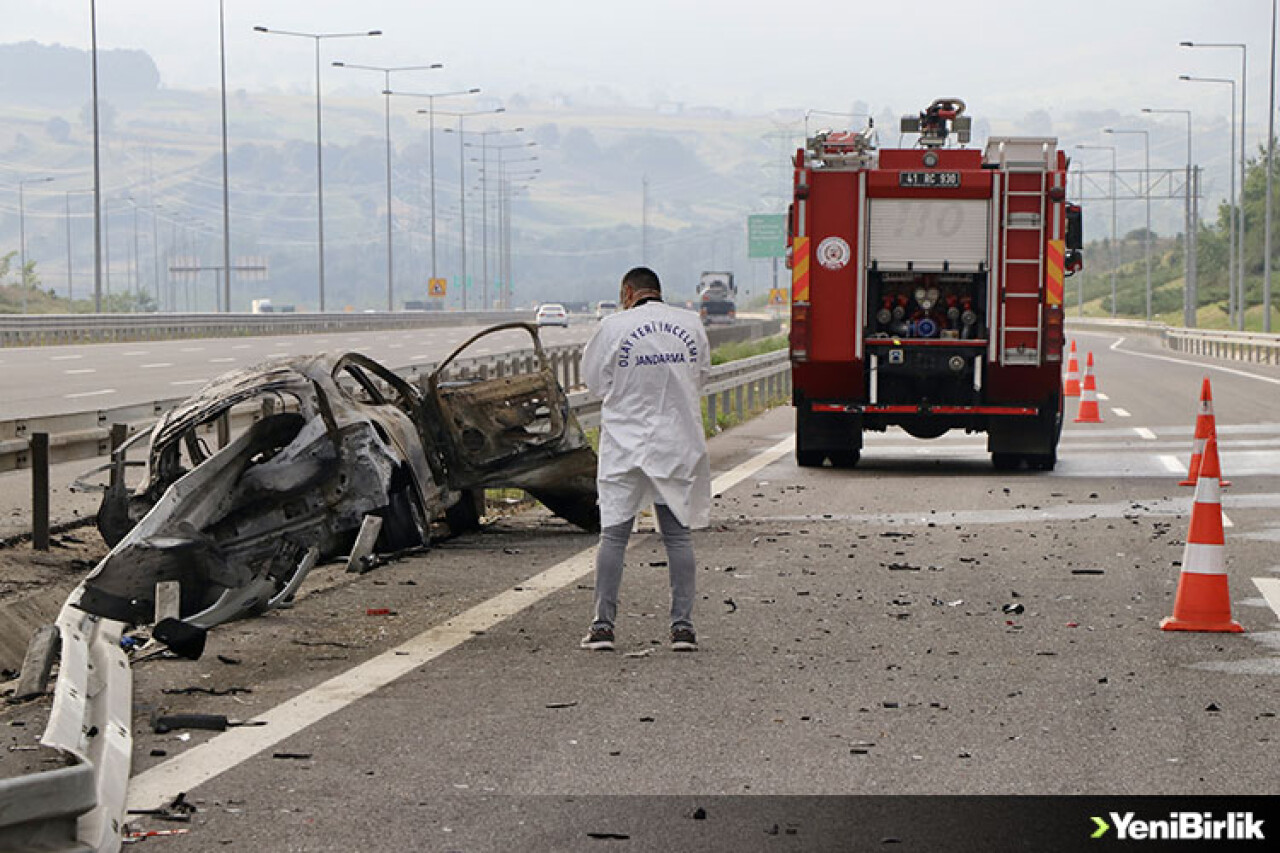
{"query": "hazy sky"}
(1005, 57)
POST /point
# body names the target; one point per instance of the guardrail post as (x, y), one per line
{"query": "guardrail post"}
(711, 410)
(577, 367)
(751, 395)
(40, 491)
(737, 403)
(224, 430)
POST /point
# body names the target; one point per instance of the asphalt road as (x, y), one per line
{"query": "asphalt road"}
(36, 381)
(919, 625)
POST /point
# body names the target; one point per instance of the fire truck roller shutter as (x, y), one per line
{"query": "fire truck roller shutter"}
(929, 235)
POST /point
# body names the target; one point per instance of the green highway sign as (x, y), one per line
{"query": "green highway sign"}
(766, 235)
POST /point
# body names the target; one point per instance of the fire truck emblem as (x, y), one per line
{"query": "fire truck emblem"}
(833, 253)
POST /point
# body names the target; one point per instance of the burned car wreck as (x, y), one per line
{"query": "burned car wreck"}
(335, 442)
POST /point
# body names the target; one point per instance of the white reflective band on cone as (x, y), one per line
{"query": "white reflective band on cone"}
(1204, 559)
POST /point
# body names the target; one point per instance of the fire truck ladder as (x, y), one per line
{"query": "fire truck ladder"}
(1022, 250)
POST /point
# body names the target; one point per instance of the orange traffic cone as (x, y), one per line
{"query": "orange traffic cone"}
(1071, 387)
(1206, 428)
(1088, 413)
(1203, 602)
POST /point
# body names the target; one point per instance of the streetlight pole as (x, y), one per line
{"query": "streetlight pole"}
(431, 150)
(1146, 194)
(317, 37)
(97, 168)
(1115, 253)
(22, 235)
(1189, 296)
(1231, 259)
(1239, 212)
(462, 186)
(484, 208)
(1271, 153)
(386, 92)
(226, 194)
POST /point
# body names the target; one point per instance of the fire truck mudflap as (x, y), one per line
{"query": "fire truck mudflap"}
(927, 289)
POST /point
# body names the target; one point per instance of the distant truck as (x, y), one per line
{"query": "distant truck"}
(262, 306)
(716, 298)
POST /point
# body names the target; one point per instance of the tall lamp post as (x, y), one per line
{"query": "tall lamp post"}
(1232, 302)
(1115, 253)
(226, 192)
(1239, 211)
(386, 92)
(431, 150)
(1146, 194)
(462, 185)
(484, 206)
(22, 235)
(317, 38)
(1189, 296)
(97, 165)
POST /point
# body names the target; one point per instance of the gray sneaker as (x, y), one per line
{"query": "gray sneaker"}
(599, 639)
(683, 639)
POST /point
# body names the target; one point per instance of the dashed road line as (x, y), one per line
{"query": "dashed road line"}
(65, 357)
(1103, 397)
(1172, 463)
(80, 370)
(1270, 589)
(156, 364)
(189, 382)
(1145, 433)
(138, 352)
(1121, 413)
(222, 360)
(100, 392)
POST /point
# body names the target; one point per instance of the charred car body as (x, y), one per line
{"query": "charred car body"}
(338, 440)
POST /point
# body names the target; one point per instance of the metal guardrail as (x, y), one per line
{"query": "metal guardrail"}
(1251, 347)
(55, 329)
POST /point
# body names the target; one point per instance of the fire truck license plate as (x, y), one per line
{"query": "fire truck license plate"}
(928, 179)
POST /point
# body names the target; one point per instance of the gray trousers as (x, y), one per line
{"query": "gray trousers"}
(680, 565)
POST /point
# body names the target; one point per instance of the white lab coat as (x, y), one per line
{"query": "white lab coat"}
(648, 365)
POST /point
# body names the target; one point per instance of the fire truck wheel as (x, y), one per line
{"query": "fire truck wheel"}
(1042, 461)
(810, 458)
(844, 458)
(1005, 461)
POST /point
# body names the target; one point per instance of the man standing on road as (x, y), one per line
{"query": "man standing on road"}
(648, 364)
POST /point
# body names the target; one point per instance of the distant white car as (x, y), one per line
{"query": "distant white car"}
(552, 314)
(605, 308)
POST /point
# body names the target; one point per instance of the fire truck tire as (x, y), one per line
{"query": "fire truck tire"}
(844, 458)
(810, 458)
(1042, 461)
(1005, 461)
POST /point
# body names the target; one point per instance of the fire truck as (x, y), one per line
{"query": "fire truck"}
(927, 289)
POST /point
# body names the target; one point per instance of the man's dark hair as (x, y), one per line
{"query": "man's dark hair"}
(642, 278)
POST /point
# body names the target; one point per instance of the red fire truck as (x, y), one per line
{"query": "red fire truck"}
(927, 289)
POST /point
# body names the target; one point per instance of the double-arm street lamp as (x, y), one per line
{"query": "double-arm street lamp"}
(386, 92)
(1146, 195)
(484, 203)
(1115, 252)
(462, 185)
(430, 111)
(1189, 294)
(1232, 289)
(317, 38)
(1240, 227)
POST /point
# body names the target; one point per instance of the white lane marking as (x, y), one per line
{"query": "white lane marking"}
(1121, 413)
(138, 352)
(189, 382)
(1102, 396)
(157, 364)
(80, 370)
(242, 346)
(64, 357)
(1202, 365)
(420, 357)
(192, 349)
(1270, 589)
(1226, 522)
(154, 787)
(97, 393)
(222, 360)
(1145, 433)
(1172, 464)
(1118, 342)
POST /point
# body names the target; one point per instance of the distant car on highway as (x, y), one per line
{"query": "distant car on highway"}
(605, 308)
(552, 314)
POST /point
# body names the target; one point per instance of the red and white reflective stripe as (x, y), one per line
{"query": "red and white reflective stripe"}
(1208, 489)
(1198, 559)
